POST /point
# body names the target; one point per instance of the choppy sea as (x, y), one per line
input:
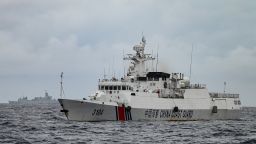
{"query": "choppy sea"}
(46, 124)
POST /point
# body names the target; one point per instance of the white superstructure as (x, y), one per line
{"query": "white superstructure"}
(145, 95)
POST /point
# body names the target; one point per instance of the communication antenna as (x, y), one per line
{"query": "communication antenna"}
(191, 60)
(104, 75)
(157, 56)
(123, 62)
(152, 61)
(142, 35)
(113, 68)
(61, 85)
(225, 84)
(109, 73)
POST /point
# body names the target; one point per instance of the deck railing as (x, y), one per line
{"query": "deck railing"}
(223, 95)
(198, 86)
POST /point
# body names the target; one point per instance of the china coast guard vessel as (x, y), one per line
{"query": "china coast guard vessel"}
(148, 95)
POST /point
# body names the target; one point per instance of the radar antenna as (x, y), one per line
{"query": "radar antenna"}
(138, 60)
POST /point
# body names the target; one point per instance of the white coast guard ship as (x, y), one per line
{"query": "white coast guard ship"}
(145, 95)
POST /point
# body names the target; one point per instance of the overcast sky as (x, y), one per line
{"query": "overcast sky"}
(40, 39)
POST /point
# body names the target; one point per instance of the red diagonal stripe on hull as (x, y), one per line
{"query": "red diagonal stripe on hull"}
(121, 113)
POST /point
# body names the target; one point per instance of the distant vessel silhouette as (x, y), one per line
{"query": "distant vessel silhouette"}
(37, 100)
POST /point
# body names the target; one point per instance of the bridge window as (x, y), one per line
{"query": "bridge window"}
(116, 87)
(152, 84)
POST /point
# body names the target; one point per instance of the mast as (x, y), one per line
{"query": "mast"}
(104, 75)
(157, 57)
(152, 62)
(191, 58)
(137, 67)
(61, 85)
(225, 84)
(123, 63)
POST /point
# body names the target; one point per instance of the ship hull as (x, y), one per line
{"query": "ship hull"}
(86, 110)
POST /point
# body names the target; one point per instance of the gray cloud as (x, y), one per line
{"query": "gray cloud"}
(39, 39)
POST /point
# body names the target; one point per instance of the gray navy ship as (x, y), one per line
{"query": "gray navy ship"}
(47, 99)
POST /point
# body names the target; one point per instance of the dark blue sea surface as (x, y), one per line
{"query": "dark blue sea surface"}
(46, 124)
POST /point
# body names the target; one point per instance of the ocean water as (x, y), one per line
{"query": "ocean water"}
(46, 124)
